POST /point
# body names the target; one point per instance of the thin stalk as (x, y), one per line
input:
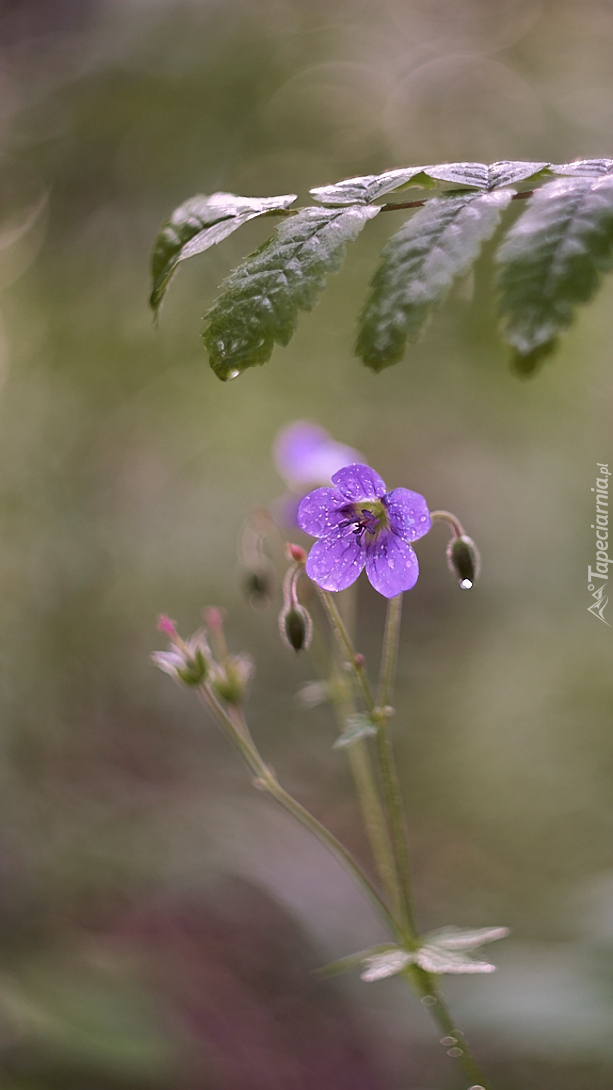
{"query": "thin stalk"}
(346, 644)
(367, 790)
(391, 791)
(422, 982)
(369, 798)
(425, 986)
(389, 775)
(266, 780)
(376, 815)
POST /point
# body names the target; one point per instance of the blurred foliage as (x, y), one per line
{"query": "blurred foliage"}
(127, 473)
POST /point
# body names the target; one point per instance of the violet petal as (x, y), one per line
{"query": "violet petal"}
(305, 454)
(359, 482)
(408, 513)
(336, 560)
(391, 565)
(320, 511)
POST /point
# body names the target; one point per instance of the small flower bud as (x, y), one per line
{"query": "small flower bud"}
(296, 627)
(296, 553)
(229, 679)
(258, 587)
(464, 560)
(187, 661)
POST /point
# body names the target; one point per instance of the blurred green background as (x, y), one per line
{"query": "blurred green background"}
(159, 919)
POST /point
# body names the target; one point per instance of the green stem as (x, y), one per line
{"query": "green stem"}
(373, 811)
(389, 775)
(346, 644)
(424, 984)
(266, 780)
(367, 790)
(374, 821)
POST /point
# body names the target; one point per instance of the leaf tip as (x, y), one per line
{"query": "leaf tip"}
(526, 364)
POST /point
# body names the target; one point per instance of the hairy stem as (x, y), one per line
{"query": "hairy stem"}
(423, 983)
(457, 1047)
(387, 763)
(237, 731)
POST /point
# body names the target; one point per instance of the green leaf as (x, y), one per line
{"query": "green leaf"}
(357, 726)
(418, 267)
(354, 961)
(583, 168)
(552, 260)
(390, 963)
(368, 188)
(261, 298)
(472, 174)
(199, 223)
(509, 173)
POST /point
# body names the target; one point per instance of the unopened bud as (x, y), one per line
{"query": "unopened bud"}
(464, 560)
(296, 627)
(258, 586)
(296, 553)
(187, 661)
(195, 670)
(229, 679)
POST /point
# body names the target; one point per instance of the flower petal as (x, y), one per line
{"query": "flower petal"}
(168, 661)
(320, 511)
(295, 446)
(359, 482)
(305, 454)
(435, 960)
(336, 560)
(461, 938)
(391, 564)
(408, 513)
(390, 963)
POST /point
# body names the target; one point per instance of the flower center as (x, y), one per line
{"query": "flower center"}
(366, 518)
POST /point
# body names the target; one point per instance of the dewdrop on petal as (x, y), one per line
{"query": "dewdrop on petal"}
(464, 560)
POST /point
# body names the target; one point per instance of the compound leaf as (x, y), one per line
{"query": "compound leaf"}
(552, 260)
(583, 168)
(507, 172)
(418, 267)
(199, 223)
(366, 189)
(261, 298)
(472, 174)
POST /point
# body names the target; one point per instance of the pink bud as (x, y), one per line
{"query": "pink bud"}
(166, 625)
(213, 617)
(359, 660)
(296, 552)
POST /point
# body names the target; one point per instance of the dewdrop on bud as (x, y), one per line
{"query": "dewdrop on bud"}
(464, 560)
(296, 627)
(229, 679)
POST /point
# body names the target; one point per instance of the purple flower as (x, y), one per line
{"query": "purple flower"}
(305, 454)
(359, 524)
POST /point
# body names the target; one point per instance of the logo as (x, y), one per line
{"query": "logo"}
(598, 576)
